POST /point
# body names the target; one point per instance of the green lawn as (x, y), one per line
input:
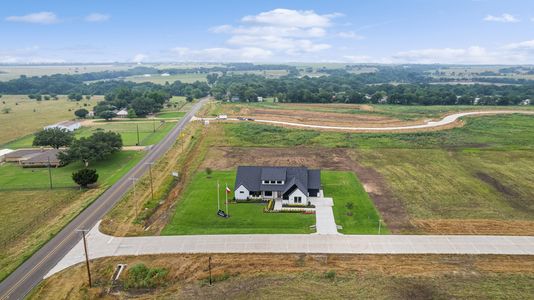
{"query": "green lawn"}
(12, 176)
(196, 212)
(128, 132)
(345, 188)
(171, 114)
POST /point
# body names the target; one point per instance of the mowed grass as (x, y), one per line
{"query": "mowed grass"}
(12, 176)
(171, 114)
(127, 130)
(195, 212)
(345, 188)
(29, 116)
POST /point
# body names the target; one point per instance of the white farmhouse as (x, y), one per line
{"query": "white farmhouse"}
(123, 113)
(67, 125)
(291, 185)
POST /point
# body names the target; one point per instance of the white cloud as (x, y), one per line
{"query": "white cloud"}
(358, 59)
(280, 31)
(44, 17)
(504, 18)
(526, 45)
(350, 35)
(291, 18)
(97, 17)
(138, 58)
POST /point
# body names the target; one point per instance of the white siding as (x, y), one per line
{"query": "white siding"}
(297, 193)
(241, 193)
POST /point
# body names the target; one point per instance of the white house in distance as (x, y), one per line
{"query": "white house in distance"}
(291, 185)
(123, 113)
(67, 125)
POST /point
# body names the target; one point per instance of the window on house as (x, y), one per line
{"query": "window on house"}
(297, 199)
(279, 182)
(268, 193)
(241, 192)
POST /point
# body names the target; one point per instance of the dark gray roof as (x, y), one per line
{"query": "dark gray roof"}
(251, 177)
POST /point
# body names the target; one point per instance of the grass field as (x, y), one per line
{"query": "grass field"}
(30, 116)
(12, 176)
(345, 188)
(128, 132)
(171, 114)
(32, 213)
(504, 132)
(158, 79)
(307, 276)
(196, 212)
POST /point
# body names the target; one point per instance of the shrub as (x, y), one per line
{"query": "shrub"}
(140, 276)
(85, 177)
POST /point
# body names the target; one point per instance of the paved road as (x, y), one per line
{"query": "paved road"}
(101, 245)
(31, 272)
(430, 124)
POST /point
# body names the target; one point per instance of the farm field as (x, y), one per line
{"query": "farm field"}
(34, 213)
(158, 79)
(339, 114)
(28, 116)
(170, 114)
(196, 212)
(127, 129)
(296, 276)
(14, 72)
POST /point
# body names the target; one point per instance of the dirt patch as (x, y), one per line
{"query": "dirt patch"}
(390, 207)
(484, 227)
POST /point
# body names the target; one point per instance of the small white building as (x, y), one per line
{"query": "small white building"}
(222, 117)
(3, 153)
(67, 125)
(260, 99)
(525, 102)
(123, 113)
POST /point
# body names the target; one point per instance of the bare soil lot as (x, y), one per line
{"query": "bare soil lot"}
(242, 276)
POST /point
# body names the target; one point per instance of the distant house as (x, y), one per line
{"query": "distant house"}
(123, 113)
(292, 185)
(3, 153)
(34, 157)
(67, 125)
(234, 99)
(260, 99)
(525, 102)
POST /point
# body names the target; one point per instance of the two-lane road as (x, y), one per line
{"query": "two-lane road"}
(31, 272)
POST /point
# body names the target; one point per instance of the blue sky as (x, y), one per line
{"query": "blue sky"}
(382, 31)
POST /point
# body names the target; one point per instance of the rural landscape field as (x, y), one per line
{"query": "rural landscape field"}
(328, 150)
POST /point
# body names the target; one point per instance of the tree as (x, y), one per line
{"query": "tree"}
(53, 137)
(98, 146)
(107, 115)
(212, 78)
(131, 113)
(81, 113)
(143, 106)
(75, 97)
(85, 177)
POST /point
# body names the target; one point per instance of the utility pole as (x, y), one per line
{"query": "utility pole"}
(379, 225)
(154, 123)
(49, 173)
(151, 182)
(86, 257)
(133, 179)
(138, 142)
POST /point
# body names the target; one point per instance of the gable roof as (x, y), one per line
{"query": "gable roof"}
(252, 177)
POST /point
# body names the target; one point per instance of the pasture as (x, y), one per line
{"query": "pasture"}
(158, 79)
(28, 116)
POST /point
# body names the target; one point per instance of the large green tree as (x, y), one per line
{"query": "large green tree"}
(53, 137)
(98, 146)
(81, 113)
(85, 177)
